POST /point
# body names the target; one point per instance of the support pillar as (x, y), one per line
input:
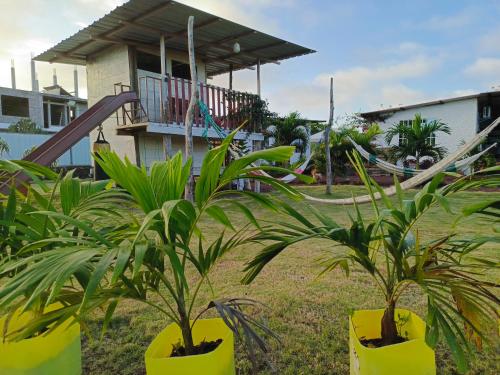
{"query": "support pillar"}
(258, 78)
(163, 67)
(230, 76)
(167, 147)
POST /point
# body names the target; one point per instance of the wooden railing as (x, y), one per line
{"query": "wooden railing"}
(167, 102)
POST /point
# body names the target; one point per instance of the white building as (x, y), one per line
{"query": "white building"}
(51, 110)
(142, 46)
(465, 115)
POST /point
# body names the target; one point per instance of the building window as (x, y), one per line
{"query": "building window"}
(148, 62)
(487, 112)
(431, 140)
(15, 106)
(402, 139)
(180, 70)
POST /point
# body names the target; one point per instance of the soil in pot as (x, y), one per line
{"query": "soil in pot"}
(378, 342)
(203, 347)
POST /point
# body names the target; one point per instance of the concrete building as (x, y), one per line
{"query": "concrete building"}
(51, 110)
(465, 115)
(142, 46)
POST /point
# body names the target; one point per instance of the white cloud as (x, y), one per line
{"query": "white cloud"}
(451, 22)
(484, 67)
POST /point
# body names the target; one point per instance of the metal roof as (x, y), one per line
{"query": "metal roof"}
(141, 22)
(429, 103)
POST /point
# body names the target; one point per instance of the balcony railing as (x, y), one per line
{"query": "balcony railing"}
(167, 102)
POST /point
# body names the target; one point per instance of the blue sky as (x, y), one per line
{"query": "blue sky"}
(380, 53)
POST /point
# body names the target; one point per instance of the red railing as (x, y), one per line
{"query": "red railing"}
(167, 102)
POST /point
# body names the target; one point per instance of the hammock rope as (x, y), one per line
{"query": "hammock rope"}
(459, 166)
(420, 178)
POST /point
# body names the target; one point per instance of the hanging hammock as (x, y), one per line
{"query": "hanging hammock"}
(235, 151)
(421, 177)
(462, 165)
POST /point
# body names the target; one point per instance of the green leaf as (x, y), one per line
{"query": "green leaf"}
(219, 215)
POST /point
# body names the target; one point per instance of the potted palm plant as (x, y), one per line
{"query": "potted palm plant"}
(71, 207)
(153, 261)
(396, 255)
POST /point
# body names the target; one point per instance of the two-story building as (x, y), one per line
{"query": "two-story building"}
(465, 115)
(142, 46)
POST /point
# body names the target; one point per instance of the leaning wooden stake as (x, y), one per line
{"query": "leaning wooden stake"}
(327, 143)
(193, 102)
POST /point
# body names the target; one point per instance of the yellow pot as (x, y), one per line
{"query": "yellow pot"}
(412, 357)
(56, 353)
(218, 362)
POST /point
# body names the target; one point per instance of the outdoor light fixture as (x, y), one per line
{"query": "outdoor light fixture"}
(236, 47)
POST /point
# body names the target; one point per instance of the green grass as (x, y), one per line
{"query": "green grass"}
(310, 314)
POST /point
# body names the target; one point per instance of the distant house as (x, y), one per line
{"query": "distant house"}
(142, 46)
(465, 115)
(50, 110)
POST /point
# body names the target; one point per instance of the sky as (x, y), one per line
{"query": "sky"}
(380, 53)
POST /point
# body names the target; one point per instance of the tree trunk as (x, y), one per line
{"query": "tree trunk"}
(389, 329)
(327, 143)
(187, 334)
(193, 101)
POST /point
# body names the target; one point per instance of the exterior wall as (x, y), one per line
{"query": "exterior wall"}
(78, 155)
(152, 148)
(103, 71)
(35, 103)
(461, 116)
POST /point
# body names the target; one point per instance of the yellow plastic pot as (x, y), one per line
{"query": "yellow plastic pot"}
(55, 353)
(412, 357)
(218, 362)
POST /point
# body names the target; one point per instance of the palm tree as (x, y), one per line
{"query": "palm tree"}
(417, 140)
(390, 248)
(290, 131)
(4, 147)
(151, 254)
(340, 145)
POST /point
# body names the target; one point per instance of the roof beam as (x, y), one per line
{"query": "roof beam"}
(227, 39)
(251, 50)
(118, 28)
(183, 32)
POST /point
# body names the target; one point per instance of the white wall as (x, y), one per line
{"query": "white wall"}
(460, 116)
(20, 142)
(34, 103)
(103, 71)
(151, 148)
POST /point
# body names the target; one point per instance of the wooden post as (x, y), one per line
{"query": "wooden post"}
(230, 76)
(258, 143)
(258, 78)
(193, 102)
(327, 143)
(163, 67)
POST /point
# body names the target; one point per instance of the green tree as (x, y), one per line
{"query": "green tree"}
(390, 249)
(417, 140)
(26, 126)
(340, 146)
(290, 130)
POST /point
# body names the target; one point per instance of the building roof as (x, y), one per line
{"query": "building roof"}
(140, 23)
(389, 111)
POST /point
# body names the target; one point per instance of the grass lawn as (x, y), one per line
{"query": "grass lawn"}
(310, 314)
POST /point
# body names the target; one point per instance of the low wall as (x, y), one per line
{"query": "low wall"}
(78, 155)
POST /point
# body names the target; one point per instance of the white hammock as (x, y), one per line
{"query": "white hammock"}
(420, 178)
(462, 165)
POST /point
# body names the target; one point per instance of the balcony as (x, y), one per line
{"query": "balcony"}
(166, 102)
